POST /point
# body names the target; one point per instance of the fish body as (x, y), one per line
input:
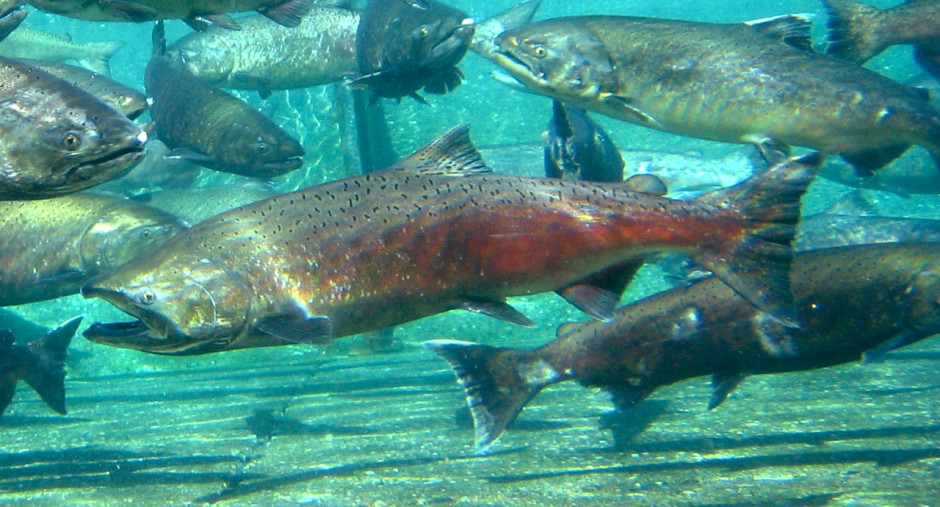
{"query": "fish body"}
(726, 82)
(578, 148)
(195, 12)
(122, 98)
(852, 301)
(404, 46)
(212, 128)
(56, 138)
(40, 363)
(433, 233)
(266, 56)
(195, 204)
(858, 31)
(51, 247)
(41, 45)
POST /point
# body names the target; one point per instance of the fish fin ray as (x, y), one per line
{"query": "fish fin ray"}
(757, 266)
(791, 29)
(47, 376)
(99, 57)
(851, 32)
(903, 338)
(445, 81)
(722, 385)
(598, 294)
(498, 383)
(451, 154)
(296, 325)
(866, 162)
(289, 12)
(640, 117)
(496, 309)
(626, 396)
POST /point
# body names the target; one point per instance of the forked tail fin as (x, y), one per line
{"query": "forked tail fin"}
(47, 376)
(853, 33)
(757, 266)
(498, 382)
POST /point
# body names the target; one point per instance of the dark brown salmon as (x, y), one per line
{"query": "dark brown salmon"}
(437, 232)
(56, 138)
(405, 45)
(49, 248)
(852, 301)
(210, 127)
(40, 363)
(725, 82)
(858, 31)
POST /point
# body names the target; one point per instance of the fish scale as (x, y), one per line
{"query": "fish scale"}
(433, 233)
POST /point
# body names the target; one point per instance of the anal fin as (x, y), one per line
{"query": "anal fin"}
(497, 309)
(598, 294)
(723, 385)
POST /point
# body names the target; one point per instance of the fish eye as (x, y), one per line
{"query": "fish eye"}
(71, 141)
(540, 51)
(424, 31)
(262, 147)
(146, 233)
(148, 297)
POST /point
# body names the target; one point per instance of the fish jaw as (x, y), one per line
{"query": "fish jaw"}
(194, 306)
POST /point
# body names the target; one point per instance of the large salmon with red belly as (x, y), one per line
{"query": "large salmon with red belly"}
(436, 232)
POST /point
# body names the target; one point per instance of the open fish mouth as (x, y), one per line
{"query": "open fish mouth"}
(283, 165)
(509, 80)
(518, 68)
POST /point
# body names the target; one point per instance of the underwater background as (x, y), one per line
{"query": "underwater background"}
(340, 425)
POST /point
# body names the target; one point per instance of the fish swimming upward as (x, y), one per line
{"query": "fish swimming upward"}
(739, 83)
(40, 363)
(853, 302)
(578, 148)
(858, 31)
(437, 232)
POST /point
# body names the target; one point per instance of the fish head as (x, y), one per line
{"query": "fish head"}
(274, 152)
(56, 142)
(560, 60)
(441, 42)
(125, 233)
(183, 305)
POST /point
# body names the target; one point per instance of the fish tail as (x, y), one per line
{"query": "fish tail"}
(853, 31)
(757, 266)
(47, 376)
(99, 56)
(498, 381)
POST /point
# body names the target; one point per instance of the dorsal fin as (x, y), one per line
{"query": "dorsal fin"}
(451, 154)
(792, 29)
(852, 204)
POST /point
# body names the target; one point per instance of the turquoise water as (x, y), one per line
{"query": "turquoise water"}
(339, 425)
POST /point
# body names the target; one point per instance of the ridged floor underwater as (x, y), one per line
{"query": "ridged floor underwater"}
(391, 430)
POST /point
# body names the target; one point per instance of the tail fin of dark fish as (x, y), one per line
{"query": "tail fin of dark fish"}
(498, 382)
(47, 377)
(851, 34)
(758, 266)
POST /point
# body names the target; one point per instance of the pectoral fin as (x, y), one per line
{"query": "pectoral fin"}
(498, 309)
(598, 294)
(624, 105)
(294, 325)
(723, 384)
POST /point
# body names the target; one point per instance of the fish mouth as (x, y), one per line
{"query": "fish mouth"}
(150, 332)
(283, 165)
(116, 158)
(518, 68)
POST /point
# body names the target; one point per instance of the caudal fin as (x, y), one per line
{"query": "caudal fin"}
(498, 381)
(757, 266)
(853, 31)
(47, 376)
(99, 56)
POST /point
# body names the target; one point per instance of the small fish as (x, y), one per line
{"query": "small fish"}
(11, 15)
(437, 231)
(210, 127)
(699, 80)
(859, 31)
(578, 148)
(402, 47)
(122, 98)
(49, 248)
(854, 302)
(56, 138)
(196, 13)
(41, 45)
(39, 363)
